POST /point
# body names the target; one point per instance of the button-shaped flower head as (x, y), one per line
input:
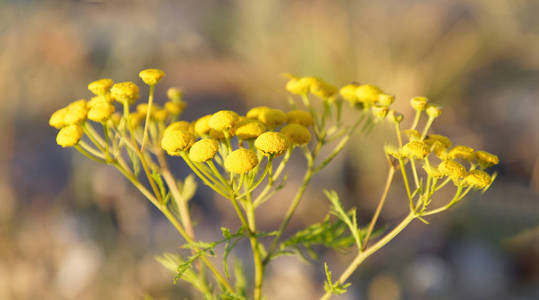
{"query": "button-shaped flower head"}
(100, 111)
(322, 89)
(202, 126)
(69, 136)
(438, 144)
(76, 112)
(368, 94)
(299, 86)
(419, 103)
(385, 99)
(256, 111)
(301, 117)
(125, 92)
(416, 149)
(101, 87)
(452, 169)
(380, 111)
(241, 161)
(272, 143)
(151, 76)
(486, 159)
(174, 94)
(177, 140)
(57, 118)
(203, 150)
(296, 134)
(348, 92)
(249, 129)
(477, 179)
(223, 120)
(434, 111)
(462, 152)
(175, 108)
(272, 117)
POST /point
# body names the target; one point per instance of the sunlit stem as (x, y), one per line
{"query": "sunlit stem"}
(217, 173)
(92, 135)
(399, 135)
(451, 203)
(107, 139)
(191, 165)
(406, 185)
(91, 150)
(87, 154)
(148, 113)
(414, 171)
(416, 119)
(427, 127)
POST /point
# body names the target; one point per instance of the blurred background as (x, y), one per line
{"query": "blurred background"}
(73, 229)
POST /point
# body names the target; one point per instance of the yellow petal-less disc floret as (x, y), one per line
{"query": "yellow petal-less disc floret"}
(380, 111)
(160, 114)
(462, 152)
(486, 159)
(348, 92)
(203, 150)
(272, 118)
(175, 108)
(151, 76)
(272, 143)
(367, 93)
(394, 116)
(125, 92)
(322, 89)
(299, 86)
(477, 179)
(255, 112)
(296, 134)
(101, 87)
(416, 149)
(419, 103)
(223, 120)
(385, 99)
(100, 111)
(202, 126)
(452, 169)
(412, 134)
(76, 112)
(57, 118)
(301, 117)
(249, 129)
(181, 125)
(69, 136)
(438, 143)
(241, 161)
(174, 94)
(177, 140)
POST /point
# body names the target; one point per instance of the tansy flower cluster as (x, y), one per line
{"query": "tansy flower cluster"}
(243, 156)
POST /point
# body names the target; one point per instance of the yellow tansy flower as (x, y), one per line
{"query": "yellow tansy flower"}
(301, 117)
(100, 111)
(69, 136)
(174, 94)
(241, 161)
(175, 108)
(249, 129)
(177, 140)
(57, 118)
(477, 179)
(463, 152)
(296, 134)
(76, 112)
(151, 76)
(223, 120)
(367, 93)
(255, 112)
(101, 87)
(452, 169)
(202, 126)
(385, 99)
(272, 143)
(203, 150)
(486, 159)
(272, 117)
(348, 92)
(434, 111)
(416, 149)
(125, 92)
(419, 103)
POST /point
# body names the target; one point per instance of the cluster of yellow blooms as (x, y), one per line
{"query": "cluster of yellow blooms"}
(239, 143)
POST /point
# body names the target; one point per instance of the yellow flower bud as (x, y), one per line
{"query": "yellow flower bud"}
(249, 129)
(301, 117)
(125, 92)
(477, 179)
(272, 117)
(348, 92)
(175, 108)
(57, 118)
(419, 103)
(100, 111)
(296, 134)
(452, 169)
(322, 89)
(180, 125)
(463, 152)
(76, 112)
(486, 159)
(159, 114)
(272, 143)
(116, 118)
(434, 111)
(416, 149)
(100, 87)
(174, 94)
(69, 136)
(143, 108)
(151, 76)
(368, 94)
(202, 126)
(438, 143)
(223, 120)
(177, 140)
(380, 111)
(203, 150)
(241, 161)
(299, 86)
(385, 99)
(135, 119)
(255, 112)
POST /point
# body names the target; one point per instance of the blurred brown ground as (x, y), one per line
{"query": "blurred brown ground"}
(65, 234)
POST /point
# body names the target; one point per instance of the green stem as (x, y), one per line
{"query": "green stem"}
(148, 113)
(427, 127)
(371, 250)
(405, 179)
(416, 119)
